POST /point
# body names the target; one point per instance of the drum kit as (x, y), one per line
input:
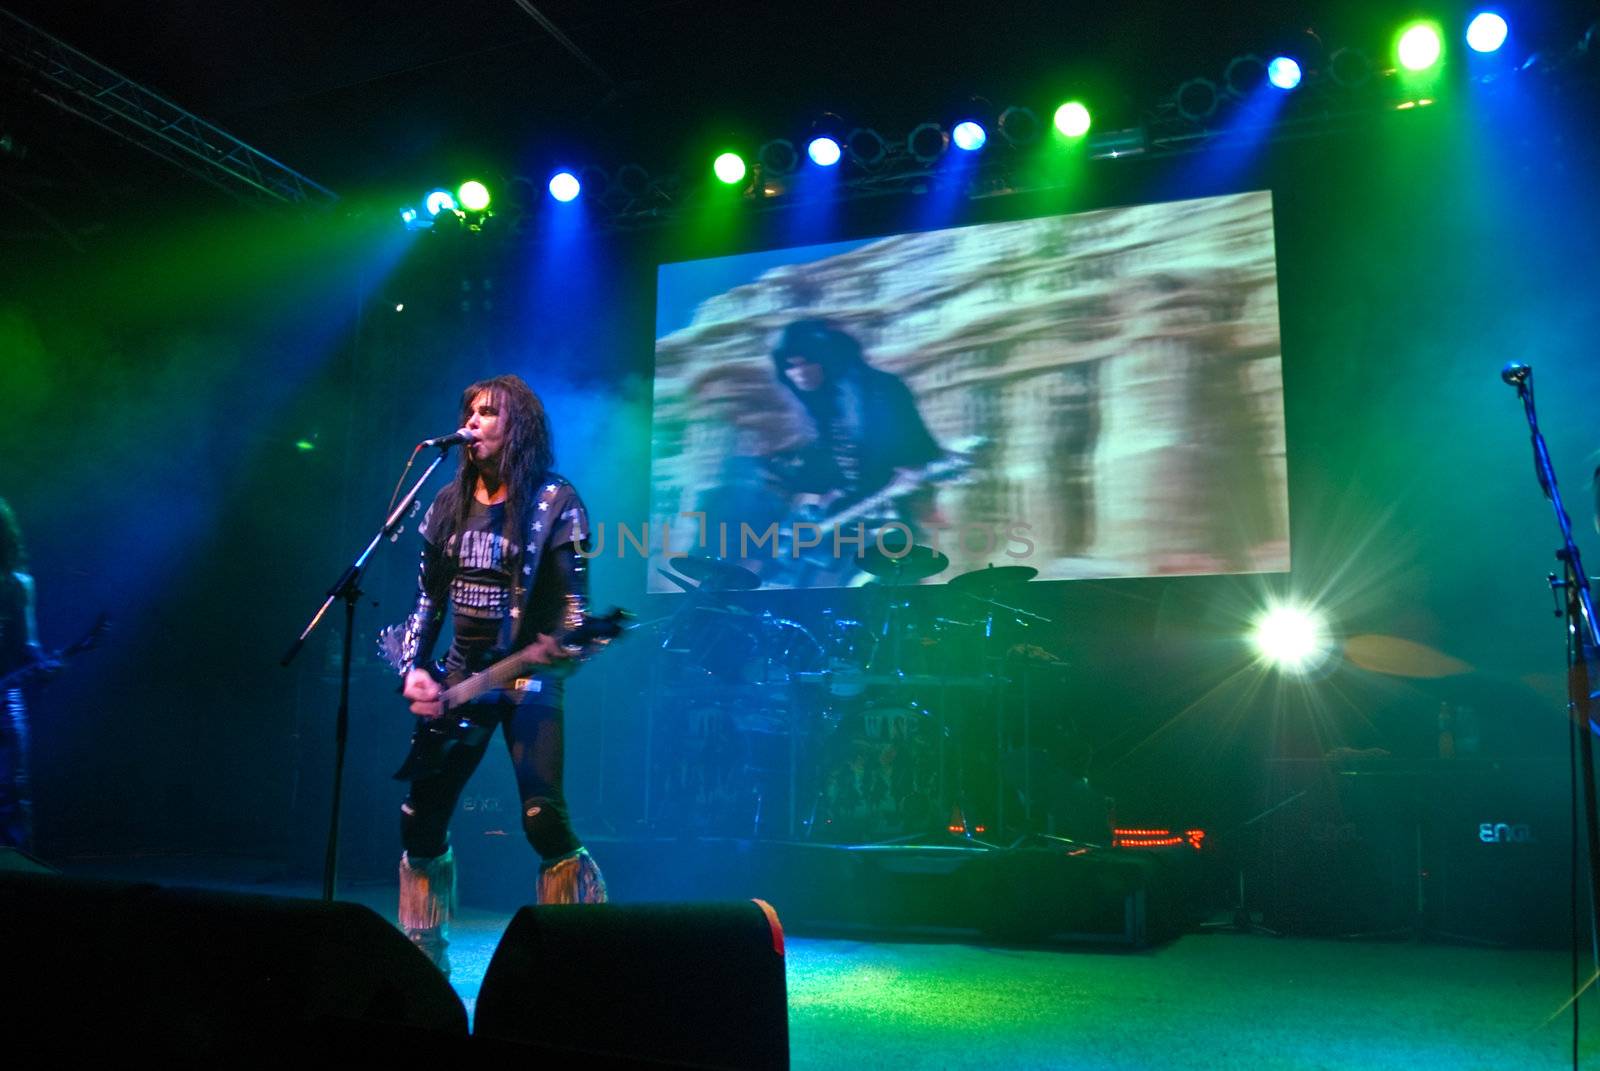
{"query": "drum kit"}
(846, 728)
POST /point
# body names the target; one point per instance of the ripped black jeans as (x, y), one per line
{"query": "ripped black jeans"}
(533, 736)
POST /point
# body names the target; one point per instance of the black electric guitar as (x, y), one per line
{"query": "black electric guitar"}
(512, 678)
(825, 513)
(53, 663)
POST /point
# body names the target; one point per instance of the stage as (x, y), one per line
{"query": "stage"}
(1201, 1000)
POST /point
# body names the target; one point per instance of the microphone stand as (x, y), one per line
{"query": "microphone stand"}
(348, 588)
(1583, 638)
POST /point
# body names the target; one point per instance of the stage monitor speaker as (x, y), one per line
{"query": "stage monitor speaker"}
(688, 984)
(15, 860)
(200, 975)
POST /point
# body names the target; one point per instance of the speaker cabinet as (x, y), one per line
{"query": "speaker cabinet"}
(196, 974)
(696, 984)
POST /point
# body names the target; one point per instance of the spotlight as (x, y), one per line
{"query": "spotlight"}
(439, 201)
(1284, 72)
(473, 195)
(1072, 119)
(522, 194)
(866, 147)
(1292, 638)
(824, 152)
(778, 157)
(594, 179)
(1487, 32)
(1196, 99)
(1349, 68)
(825, 140)
(564, 186)
(1419, 47)
(408, 216)
(632, 182)
(969, 136)
(1244, 75)
(1019, 126)
(729, 168)
(927, 143)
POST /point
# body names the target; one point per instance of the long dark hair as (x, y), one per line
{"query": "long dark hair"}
(527, 456)
(823, 342)
(13, 554)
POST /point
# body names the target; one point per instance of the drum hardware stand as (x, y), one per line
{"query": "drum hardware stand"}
(1241, 922)
(1023, 619)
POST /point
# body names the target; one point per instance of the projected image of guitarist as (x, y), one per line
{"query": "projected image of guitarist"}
(500, 547)
(869, 439)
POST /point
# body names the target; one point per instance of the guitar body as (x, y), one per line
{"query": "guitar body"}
(474, 703)
(432, 739)
(53, 663)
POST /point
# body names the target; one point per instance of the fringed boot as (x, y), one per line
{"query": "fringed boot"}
(428, 903)
(573, 878)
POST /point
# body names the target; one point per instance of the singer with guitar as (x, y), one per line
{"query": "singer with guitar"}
(500, 547)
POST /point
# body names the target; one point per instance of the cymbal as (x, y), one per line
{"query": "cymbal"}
(915, 563)
(991, 577)
(1402, 658)
(715, 574)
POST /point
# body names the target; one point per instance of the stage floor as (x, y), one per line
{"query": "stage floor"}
(1204, 1000)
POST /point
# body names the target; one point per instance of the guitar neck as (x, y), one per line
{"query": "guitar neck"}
(902, 485)
(495, 676)
(515, 665)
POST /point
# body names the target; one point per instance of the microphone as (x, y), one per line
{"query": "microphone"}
(1516, 374)
(460, 435)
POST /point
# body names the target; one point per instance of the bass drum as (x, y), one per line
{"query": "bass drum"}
(877, 774)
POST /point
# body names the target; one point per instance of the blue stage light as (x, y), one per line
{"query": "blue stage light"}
(1284, 73)
(824, 152)
(564, 186)
(439, 201)
(1487, 32)
(969, 136)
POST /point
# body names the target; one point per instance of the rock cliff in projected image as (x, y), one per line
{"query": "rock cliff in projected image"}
(1123, 364)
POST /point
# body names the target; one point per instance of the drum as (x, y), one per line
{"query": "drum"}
(715, 641)
(698, 753)
(785, 648)
(877, 774)
(848, 648)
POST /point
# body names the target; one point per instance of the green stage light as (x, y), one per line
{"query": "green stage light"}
(1072, 119)
(1419, 47)
(473, 196)
(730, 168)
